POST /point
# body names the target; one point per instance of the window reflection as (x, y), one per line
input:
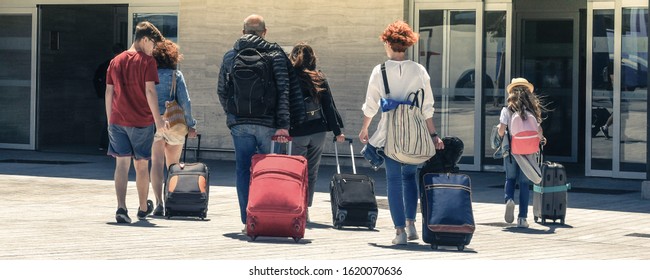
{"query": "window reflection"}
(167, 23)
(602, 91)
(634, 83)
(494, 59)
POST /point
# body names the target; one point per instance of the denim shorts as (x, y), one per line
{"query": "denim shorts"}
(130, 141)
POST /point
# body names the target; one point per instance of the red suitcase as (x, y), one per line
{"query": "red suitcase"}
(277, 200)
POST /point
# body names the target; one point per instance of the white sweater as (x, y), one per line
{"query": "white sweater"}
(404, 77)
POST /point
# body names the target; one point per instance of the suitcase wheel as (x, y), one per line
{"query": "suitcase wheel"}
(253, 237)
(341, 216)
(373, 221)
(337, 225)
(460, 247)
(296, 239)
(434, 246)
(562, 221)
(536, 219)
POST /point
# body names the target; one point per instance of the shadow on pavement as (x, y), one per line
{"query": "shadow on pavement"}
(268, 240)
(416, 247)
(587, 192)
(145, 224)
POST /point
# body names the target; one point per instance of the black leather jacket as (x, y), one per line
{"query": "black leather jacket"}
(290, 105)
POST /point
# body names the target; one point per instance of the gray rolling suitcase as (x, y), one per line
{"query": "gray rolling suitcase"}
(550, 197)
(187, 190)
(352, 196)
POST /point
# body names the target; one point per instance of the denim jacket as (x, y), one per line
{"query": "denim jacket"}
(182, 95)
(503, 150)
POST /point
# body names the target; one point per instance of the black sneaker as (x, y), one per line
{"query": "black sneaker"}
(142, 215)
(159, 211)
(122, 216)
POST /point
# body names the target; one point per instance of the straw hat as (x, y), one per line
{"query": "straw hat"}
(520, 82)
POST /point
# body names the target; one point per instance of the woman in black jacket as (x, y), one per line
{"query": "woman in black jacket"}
(309, 136)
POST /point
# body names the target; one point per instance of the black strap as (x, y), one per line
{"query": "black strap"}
(383, 74)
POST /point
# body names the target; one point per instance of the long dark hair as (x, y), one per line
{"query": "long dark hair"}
(303, 60)
(521, 99)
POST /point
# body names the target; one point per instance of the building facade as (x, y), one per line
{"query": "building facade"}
(587, 58)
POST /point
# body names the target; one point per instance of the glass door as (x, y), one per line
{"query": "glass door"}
(496, 66)
(164, 18)
(617, 106)
(17, 78)
(547, 57)
(450, 50)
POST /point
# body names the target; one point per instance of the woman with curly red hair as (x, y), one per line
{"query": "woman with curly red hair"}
(167, 147)
(404, 76)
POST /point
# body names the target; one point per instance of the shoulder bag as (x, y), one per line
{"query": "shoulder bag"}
(174, 114)
(408, 140)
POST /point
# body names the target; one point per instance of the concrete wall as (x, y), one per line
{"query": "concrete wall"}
(344, 34)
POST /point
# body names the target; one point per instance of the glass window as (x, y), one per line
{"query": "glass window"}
(447, 50)
(494, 60)
(602, 100)
(634, 84)
(167, 23)
(15, 78)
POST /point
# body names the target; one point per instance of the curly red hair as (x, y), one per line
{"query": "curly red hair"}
(167, 54)
(400, 36)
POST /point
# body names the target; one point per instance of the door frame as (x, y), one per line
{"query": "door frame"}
(575, 17)
(493, 7)
(32, 104)
(617, 6)
(414, 18)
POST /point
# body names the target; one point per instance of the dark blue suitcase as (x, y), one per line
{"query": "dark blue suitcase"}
(446, 204)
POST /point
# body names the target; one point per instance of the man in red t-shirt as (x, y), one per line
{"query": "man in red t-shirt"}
(132, 111)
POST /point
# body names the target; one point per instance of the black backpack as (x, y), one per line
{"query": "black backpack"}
(313, 109)
(251, 84)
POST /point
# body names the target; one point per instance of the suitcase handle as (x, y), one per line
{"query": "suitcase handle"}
(336, 153)
(274, 139)
(196, 152)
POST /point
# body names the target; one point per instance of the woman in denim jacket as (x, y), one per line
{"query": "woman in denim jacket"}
(166, 148)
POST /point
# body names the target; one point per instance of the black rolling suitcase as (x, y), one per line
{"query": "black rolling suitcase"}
(187, 189)
(550, 197)
(446, 205)
(444, 161)
(352, 196)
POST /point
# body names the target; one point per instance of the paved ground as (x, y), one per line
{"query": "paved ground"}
(61, 207)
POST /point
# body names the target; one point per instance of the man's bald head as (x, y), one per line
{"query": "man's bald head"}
(254, 24)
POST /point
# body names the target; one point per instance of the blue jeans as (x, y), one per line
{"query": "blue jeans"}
(514, 175)
(402, 191)
(248, 140)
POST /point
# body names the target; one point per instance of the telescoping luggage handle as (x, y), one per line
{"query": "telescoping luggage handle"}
(336, 152)
(274, 140)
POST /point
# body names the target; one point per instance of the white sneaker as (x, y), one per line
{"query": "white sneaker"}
(411, 232)
(510, 211)
(521, 222)
(400, 239)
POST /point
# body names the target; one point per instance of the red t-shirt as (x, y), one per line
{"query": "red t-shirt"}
(128, 73)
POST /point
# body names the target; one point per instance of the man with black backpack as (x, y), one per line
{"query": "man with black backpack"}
(261, 98)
